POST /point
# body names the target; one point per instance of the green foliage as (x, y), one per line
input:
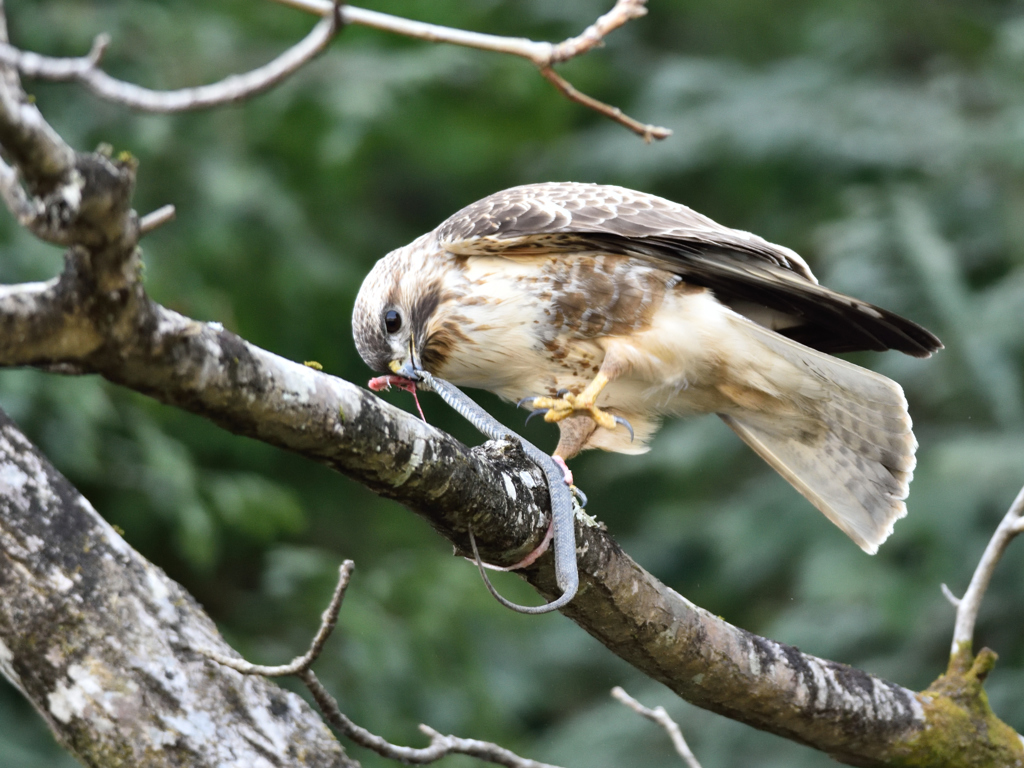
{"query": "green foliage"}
(880, 140)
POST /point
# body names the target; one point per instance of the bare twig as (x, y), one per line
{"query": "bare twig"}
(970, 603)
(433, 33)
(156, 219)
(440, 744)
(328, 620)
(659, 716)
(644, 130)
(592, 36)
(948, 594)
(85, 70)
(543, 55)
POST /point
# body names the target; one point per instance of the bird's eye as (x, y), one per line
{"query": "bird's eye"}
(392, 321)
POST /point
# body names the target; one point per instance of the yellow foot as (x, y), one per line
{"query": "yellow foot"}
(554, 409)
(557, 408)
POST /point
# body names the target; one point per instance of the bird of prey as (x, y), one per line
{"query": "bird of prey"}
(608, 309)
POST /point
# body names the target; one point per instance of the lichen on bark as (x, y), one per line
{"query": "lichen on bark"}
(103, 643)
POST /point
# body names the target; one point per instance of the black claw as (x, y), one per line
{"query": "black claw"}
(581, 497)
(524, 401)
(538, 412)
(562, 392)
(622, 422)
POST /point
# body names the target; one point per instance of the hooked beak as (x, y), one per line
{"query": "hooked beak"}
(409, 369)
(406, 369)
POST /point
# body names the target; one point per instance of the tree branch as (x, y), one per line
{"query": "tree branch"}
(99, 639)
(968, 606)
(156, 219)
(660, 716)
(85, 70)
(541, 54)
(647, 132)
(207, 370)
(440, 745)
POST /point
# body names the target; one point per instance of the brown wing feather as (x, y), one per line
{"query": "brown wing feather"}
(570, 207)
(736, 265)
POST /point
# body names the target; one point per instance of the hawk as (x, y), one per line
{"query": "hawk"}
(608, 309)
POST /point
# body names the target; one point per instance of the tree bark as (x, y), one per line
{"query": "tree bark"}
(102, 643)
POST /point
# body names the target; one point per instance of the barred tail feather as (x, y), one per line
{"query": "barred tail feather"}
(851, 449)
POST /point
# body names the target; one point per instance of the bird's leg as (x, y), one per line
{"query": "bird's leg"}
(573, 435)
(555, 409)
(581, 497)
(566, 472)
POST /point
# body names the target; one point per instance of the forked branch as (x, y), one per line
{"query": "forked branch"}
(440, 744)
(968, 606)
(543, 55)
(660, 716)
(234, 88)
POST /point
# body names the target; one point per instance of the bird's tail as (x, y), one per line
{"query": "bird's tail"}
(848, 445)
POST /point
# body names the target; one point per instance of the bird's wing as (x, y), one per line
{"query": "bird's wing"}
(744, 270)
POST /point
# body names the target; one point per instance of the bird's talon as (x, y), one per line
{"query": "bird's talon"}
(562, 393)
(537, 412)
(525, 401)
(581, 497)
(622, 422)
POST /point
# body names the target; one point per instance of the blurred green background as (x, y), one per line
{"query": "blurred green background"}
(884, 141)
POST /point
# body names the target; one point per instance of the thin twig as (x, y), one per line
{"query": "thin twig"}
(541, 54)
(646, 131)
(299, 664)
(85, 70)
(538, 53)
(592, 36)
(156, 219)
(948, 594)
(660, 716)
(970, 603)
(440, 744)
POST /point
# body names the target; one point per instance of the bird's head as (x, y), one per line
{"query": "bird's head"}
(393, 311)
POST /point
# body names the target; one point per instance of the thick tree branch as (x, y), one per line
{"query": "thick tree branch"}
(207, 370)
(100, 640)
